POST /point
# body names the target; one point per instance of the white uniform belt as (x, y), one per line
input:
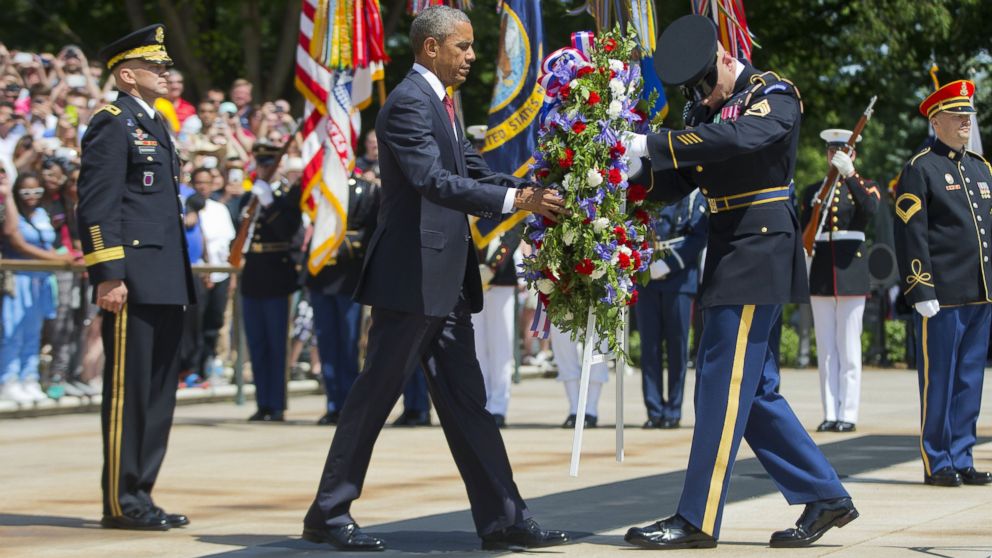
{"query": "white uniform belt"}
(666, 244)
(840, 235)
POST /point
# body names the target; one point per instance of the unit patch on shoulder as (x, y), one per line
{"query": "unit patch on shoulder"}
(109, 108)
(761, 108)
(907, 205)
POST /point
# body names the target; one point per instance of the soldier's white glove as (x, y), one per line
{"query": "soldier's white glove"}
(636, 145)
(927, 308)
(262, 191)
(633, 166)
(843, 163)
(659, 269)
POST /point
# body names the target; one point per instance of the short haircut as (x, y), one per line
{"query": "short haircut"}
(198, 170)
(239, 82)
(40, 89)
(437, 22)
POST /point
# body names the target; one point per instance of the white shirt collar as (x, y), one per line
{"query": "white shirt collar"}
(148, 108)
(432, 80)
(738, 69)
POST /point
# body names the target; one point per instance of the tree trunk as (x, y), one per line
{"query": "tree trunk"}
(251, 39)
(396, 11)
(179, 29)
(285, 59)
(135, 13)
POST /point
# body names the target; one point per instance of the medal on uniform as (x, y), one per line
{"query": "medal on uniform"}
(129, 122)
(949, 178)
(983, 189)
(148, 179)
(140, 135)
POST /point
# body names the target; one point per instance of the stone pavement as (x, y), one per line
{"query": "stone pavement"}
(246, 486)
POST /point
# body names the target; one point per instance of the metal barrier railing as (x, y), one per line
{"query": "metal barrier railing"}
(237, 331)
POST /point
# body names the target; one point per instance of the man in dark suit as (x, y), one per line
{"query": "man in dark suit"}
(131, 227)
(421, 277)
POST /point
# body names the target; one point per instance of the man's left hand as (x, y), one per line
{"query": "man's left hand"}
(844, 164)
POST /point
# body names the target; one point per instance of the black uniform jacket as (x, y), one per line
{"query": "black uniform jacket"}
(744, 151)
(840, 264)
(129, 214)
(270, 270)
(944, 220)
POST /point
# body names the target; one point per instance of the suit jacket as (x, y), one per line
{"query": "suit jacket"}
(421, 254)
(129, 215)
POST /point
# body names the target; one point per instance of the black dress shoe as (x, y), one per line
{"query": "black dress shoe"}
(827, 426)
(526, 534)
(329, 418)
(413, 418)
(148, 521)
(592, 421)
(943, 477)
(344, 537)
(652, 422)
(173, 519)
(673, 533)
(259, 416)
(845, 427)
(971, 476)
(569, 422)
(500, 420)
(669, 424)
(817, 519)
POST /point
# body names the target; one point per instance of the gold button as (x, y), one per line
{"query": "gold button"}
(150, 158)
(835, 209)
(704, 191)
(835, 219)
(699, 168)
(837, 200)
(764, 229)
(858, 253)
(135, 242)
(834, 229)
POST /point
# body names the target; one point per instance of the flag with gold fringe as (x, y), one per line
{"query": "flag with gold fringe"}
(731, 24)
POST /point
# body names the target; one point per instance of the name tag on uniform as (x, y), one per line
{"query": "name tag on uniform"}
(148, 179)
(146, 149)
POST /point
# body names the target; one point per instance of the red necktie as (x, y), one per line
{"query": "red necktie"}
(449, 105)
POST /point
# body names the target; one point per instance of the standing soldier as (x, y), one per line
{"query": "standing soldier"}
(664, 308)
(740, 151)
(838, 282)
(944, 206)
(268, 280)
(131, 227)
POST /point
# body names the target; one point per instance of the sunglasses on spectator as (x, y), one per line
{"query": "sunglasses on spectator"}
(31, 192)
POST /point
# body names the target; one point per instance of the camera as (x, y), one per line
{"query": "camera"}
(22, 58)
(75, 81)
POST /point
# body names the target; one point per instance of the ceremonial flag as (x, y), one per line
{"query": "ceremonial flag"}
(645, 21)
(731, 23)
(517, 99)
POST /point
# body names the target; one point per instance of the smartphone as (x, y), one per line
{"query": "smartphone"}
(235, 176)
(22, 58)
(75, 81)
(209, 162)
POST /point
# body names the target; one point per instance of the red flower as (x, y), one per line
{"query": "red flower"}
(621, 234)
(615, 176)
(636, 193)
(643, 115)
(544, 299)
(566, 161)
(586, 221)
(624, 260)
(542, 173)
(644, 245)
(617, 151)
(633, 298)
(538, 244)
(579, 127)
(593, 98)
(643, 218)
(610, 44)
(636, 256)
(584, 71)
(613, 74)
(585, 267)
(548, 222)
(547, 273)
(564, 92)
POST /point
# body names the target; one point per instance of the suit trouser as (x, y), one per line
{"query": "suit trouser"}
(337, 322)
(446, 345)
(736, 396)
(140, 376)
(951, 348)
(266, 321)
(663, 317)
(494, 345)
(837, 322)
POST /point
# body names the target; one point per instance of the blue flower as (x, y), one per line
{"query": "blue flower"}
(605, 250)
(611, 295)
(607, 135)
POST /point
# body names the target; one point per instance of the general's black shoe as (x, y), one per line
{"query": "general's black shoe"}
(259, 416)
(673, 533)
(569, 422)
(943, 477)
(173, 519)
(526, 534)
(652, 422)
(669, 423)
(817, 519)
(592, 421)
(500, 420)
(329, 418)
(148, 521)
(413, 418)
(344, 537)
(845, 427)
(971, 476)
(827, 426)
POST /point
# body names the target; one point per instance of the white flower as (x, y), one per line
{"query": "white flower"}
(615, 108)
(632, 88)
(593, 178)
(617, 88)
(616, 65)
(598, 272)
(568, 316)
(546, 286)
(599, 225)
(573, 84)
(566, 180)
(616, 258)
(626, 251)
(569, 237)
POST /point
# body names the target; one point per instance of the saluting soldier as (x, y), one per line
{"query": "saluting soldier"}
(131, 227)
(269, 279)
(944, 210)
(838, 282)
(740, 151)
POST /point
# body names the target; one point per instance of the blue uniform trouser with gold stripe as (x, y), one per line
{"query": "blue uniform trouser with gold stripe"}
(140, 376)
(950, 358)
(736, 396)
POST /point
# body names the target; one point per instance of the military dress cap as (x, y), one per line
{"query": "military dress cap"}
(953, 97)
(265, 148)
(477, 132)
(836, 137)
(147, 43)
(687, 51)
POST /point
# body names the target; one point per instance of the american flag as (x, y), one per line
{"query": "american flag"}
(732, 23)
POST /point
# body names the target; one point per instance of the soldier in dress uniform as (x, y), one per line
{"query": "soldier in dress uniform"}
(131, 227)
(740, 151)
(944, 210)
(337, 318)
(664, 307)
(268, 281)
(838, 282)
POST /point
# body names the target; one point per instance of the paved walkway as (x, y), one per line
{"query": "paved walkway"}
(247, 486)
